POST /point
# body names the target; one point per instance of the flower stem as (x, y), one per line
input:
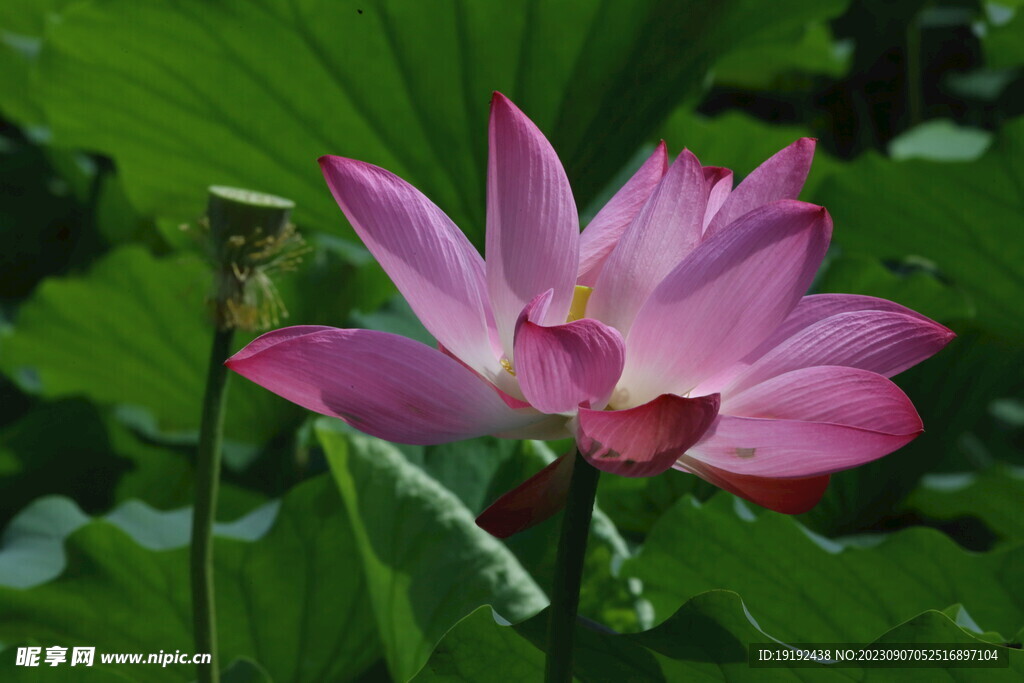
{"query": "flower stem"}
(211, 432)
(565, 594)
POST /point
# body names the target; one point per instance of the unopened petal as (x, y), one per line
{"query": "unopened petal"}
(382, 384)
(532, 224)
(646, 440)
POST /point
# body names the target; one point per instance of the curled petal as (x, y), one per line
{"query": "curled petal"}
(382, 384)
(428, 258)
(603, 232)
(781, 176)
(721, 302)
(561, 366)
(646, 440)
(532, 225)
(530, 503)
(659, 238)
(789, 496)
(809, 422)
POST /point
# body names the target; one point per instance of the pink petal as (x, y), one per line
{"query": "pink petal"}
(664, 232)
(816, 307)
(603, 232)
(530, 503)
(510, 401)
(730, 294)
(719, 183)
(532, 225)
(789, 496)
(809, 422)
(782, 176)
(561, 366)
(646, 440)
(810, 311)
(382, 384)
(880, 341)
(428, 258)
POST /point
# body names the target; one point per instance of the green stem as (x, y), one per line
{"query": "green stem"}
(565, 594)
(211, 433)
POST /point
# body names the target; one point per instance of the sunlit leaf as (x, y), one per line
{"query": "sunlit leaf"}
(635, 504)
(133, 331)
(22, 24)
(186, 94)
(479, 471)
(291, 599)
(994, 496)
(811, 50)
(914, 287)
(707, 639)
(962, 217)
(427, 563)
(803, 588)
(1004, 43)
(940, 140)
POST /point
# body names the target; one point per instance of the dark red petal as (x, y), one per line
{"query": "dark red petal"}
(530, 503)
(789, 496)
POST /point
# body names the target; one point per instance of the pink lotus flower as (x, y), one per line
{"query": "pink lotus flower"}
(673, 332)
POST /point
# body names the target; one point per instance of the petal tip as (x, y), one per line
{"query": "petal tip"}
(689, 156)
(334, 161)
(661, 154)
(499, 526)
(805, 147)
(498, 99)
(326, 160)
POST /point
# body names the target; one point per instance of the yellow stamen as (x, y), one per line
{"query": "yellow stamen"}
(507, 364)
(578, 307)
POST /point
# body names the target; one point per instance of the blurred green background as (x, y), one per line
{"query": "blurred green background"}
(115, 115)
